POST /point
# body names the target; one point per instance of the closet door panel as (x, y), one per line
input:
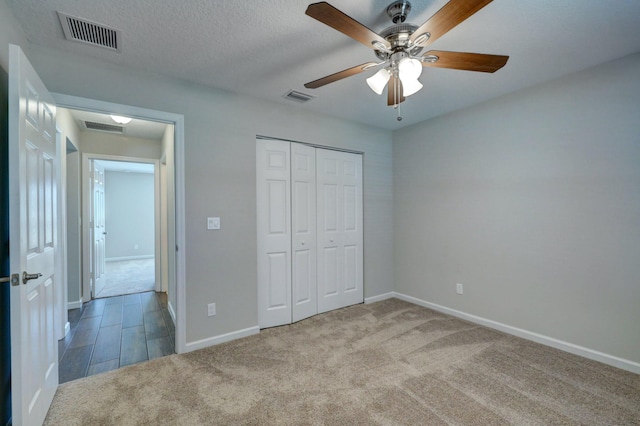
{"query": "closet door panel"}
(303, 237)
(340, 280)
(273, 186)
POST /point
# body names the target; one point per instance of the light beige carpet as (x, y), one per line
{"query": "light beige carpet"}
(386, 363)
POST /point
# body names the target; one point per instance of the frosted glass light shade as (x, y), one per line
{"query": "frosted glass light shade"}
(120, 119)
(409, 68)
(410, 86)
(379, 80)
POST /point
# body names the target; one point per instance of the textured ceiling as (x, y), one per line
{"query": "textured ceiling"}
(264, 48)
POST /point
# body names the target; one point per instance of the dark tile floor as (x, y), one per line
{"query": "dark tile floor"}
(113, 332)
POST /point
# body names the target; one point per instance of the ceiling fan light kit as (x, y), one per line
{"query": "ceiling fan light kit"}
(120, 119)
(399, 47)
(379, 80)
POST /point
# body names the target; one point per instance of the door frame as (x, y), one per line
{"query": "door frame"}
(75, 102)
(88, 285)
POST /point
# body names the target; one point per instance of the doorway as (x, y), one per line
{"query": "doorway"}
(125, 230)
(120, 318)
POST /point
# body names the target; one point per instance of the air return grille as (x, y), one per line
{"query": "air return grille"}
(78, 29)
(111, 128)
(297, 96)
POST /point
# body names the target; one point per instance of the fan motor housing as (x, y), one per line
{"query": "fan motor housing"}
(398, 37)
(398, 11)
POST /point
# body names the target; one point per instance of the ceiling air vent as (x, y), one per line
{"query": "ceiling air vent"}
(111, 128)
(293, 95)
(78, 29)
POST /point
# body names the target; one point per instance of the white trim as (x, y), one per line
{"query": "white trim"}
(614, 361)
(74, 305)
(87, 158)
(216, 340)
(60, 313)
(67, 328)
(75, 102)
(379, 297)
(119, 259)
(157, 233)
(171, 312)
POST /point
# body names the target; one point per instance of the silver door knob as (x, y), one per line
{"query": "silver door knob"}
(303, 243)
(330, 240)
(26, 277)
(105, 233)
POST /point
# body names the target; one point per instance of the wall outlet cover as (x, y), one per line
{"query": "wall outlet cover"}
(459, 288)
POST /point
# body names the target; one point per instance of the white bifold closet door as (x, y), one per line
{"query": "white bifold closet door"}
(303, 235)
(273, 196)
(340, 257)
(310, 239)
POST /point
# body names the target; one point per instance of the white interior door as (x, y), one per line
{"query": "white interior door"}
(340, 234)
(99, 231)
(32, 184)
(303, 234)
(273, 183)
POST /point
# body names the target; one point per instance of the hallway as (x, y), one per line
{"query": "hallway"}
(127, 277)
(113, 332)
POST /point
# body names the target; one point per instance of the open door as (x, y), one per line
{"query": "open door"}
(97, 226)
(32, 215)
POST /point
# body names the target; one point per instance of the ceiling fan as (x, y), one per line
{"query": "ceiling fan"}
(399, 47)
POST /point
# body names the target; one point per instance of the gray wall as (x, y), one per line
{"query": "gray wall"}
(129, 215)
(120, 145)
(74, 265)
(220, 131)
(532, 202)
(10, 32)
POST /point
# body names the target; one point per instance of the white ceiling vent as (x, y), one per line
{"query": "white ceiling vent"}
(296, 96)
(111, 128)
(78, 29)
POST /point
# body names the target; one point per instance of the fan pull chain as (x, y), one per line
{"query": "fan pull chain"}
(396, 95)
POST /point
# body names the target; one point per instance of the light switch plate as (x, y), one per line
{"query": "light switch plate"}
(213, 223)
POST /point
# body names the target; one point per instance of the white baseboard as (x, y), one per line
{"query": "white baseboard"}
(216, 340)
(74, 305)
(379, 297)
(614, 361)
(118, 259)
(172, 312)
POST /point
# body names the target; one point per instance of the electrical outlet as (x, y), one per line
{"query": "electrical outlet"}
(459, 288)
(211, 309)
(136, 246)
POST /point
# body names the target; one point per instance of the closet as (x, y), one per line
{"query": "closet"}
(310, 239)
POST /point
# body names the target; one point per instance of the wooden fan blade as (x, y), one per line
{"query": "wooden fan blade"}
(466, 61)
(394, 92)
(447, 18)
(339, 75)
(336, 19)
